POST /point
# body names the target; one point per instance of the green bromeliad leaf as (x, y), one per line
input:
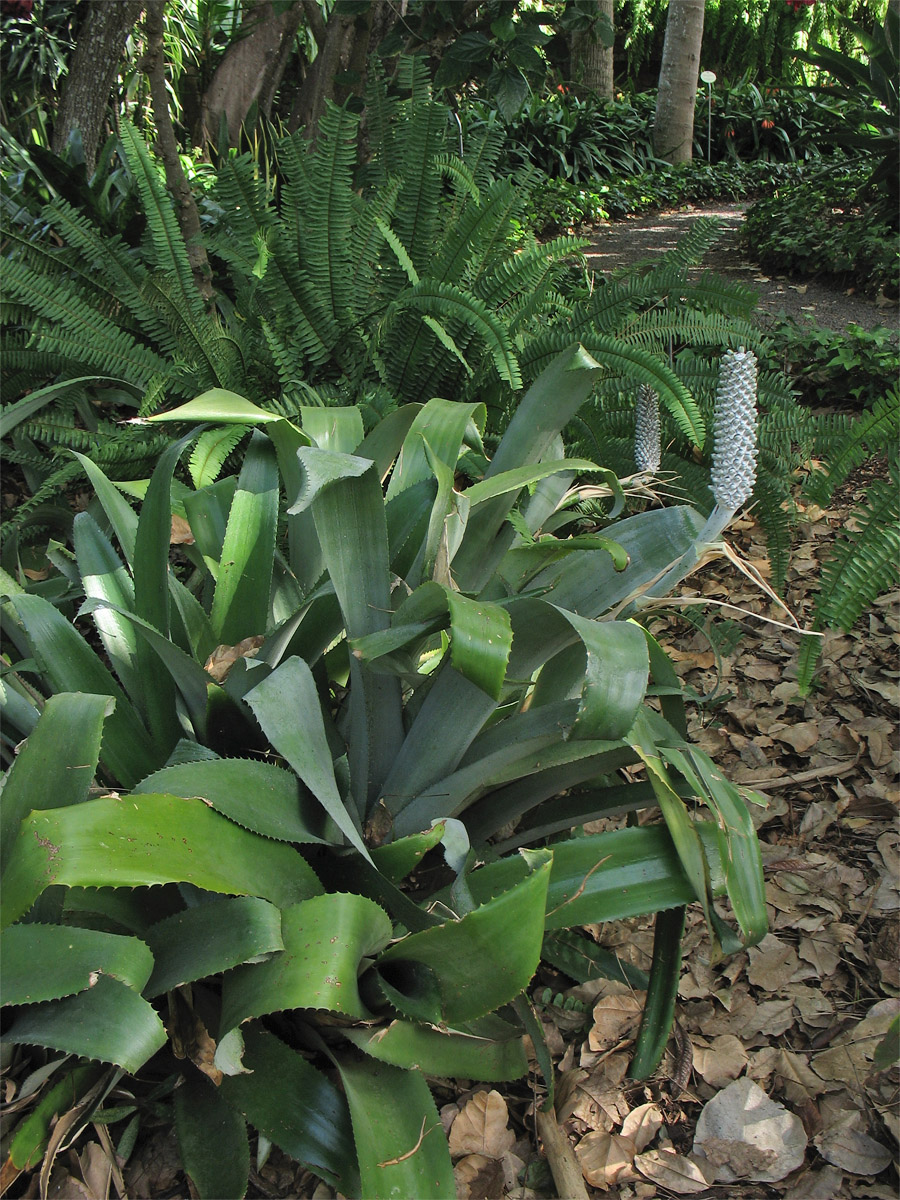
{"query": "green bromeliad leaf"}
(57, 763)
(48, 962)
(212, 1138)
(153, 839)
(258, 795)
(297, 1107)
(608, 876)
(108, 1021)
(399, 1138)
(220, 405)
(487, 1050)
(441, 974)
(209, 938)
(326, 942)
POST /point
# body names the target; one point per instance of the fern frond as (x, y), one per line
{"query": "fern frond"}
(76, 331)
(865, 562)
(442, 299)
(877, 429)
(170, 252)
(210, 451)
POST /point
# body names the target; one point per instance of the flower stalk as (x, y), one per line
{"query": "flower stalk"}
(647, 448)
(733, 473)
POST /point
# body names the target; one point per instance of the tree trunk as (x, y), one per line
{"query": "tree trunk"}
(592, 54)
(92, 72)
(167, 147)
(673, 130)
(343, 47)
(252, 67)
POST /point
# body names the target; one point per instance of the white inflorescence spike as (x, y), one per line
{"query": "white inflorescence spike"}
(646, 430)
(734, 437)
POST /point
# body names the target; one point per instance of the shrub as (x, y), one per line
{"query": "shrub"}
(276, 735)
(851, 366)
(825, 225)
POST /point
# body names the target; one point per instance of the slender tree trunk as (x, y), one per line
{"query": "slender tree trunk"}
(252, 67)
(343, 47)
(673, 130)
(92, 72)
(167, 147)
(592, 54)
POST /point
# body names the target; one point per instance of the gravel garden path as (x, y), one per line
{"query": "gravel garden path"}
(624, 243)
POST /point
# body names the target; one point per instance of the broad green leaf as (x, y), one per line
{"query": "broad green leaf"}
(56, 765)
(258, 795)
(480, 645)
(289, 711)
(333, 428)
(240, 605)
(47, 962)
(517, 478)
(382, 444)
(607, 876)
(544, 410)
(349, 513)
(443, 424)
(614, 677)
(399, 1138)
(151, 594)
(108, 1021)
(287, 1100)
(104, 577)
(210, 938)
(70, 665)
(138, 840)
(184, 672)
(119, 512)
(684, 832)
(212, 1138)
(220, 405)
(326, 942)
(399, 858)
(207, 513)
(486, 1050)
(590, 585)
(463, 969)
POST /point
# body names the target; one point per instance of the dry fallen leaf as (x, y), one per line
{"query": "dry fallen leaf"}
(673, 1171)
(223, 658)
(642, 1125)
(478, 1177)
(615, 1019)
(482, 1127)
(848, 1147)
(605, 1158)
(181, 534)
(721, 1061)
(745, 1135)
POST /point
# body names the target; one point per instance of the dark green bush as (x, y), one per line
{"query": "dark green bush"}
(826, 224)
(852, 365)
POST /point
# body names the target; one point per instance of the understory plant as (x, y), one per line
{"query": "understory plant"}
(292, 828)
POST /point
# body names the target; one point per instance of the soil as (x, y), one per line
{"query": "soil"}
(624, 243)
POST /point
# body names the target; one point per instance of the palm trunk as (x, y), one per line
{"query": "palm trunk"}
(673, 130)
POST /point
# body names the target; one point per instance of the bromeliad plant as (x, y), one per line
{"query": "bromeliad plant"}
(299, 837)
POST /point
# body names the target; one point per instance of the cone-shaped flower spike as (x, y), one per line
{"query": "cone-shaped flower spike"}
(734, 437)
(733, 466)
(646, 430)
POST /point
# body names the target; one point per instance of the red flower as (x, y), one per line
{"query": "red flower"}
(767, 124)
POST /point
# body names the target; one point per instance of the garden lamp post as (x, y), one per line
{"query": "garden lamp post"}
(709, 78)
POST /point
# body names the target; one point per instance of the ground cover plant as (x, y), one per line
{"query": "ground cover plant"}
(398, 722)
